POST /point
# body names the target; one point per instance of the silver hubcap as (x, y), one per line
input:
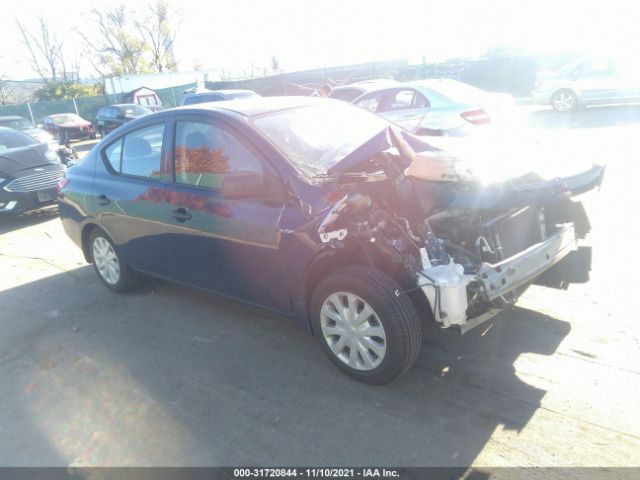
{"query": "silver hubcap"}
(106, 260)
(353, 331)
(563, 102)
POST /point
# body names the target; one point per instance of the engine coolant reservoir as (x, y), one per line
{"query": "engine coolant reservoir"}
(451, 306)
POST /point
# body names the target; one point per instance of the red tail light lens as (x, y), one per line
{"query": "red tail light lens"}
(477, 117)
(63, 182)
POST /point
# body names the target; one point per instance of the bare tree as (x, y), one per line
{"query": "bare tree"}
(159, 31)
(118, 47)
(45, 50)
(13, 91)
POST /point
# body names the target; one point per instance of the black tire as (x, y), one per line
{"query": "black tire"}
(567, 94)
(128, 278)
(392, 306)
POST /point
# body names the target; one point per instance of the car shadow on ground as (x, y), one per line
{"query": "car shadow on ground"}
(16, 222)
(591, 117)
(172, 376)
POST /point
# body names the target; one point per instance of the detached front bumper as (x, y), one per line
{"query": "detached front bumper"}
(501, 278)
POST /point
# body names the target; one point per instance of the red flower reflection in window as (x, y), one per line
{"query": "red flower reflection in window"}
(201, 159)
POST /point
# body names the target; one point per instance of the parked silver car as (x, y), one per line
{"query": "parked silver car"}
(437, 106)
(600, 81)
(351, 91)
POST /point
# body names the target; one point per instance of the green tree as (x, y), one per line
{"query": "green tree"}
(60, 90)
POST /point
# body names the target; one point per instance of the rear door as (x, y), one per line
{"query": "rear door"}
(128, 192)
(227, 245)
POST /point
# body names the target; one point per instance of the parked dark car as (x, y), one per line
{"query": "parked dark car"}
(68, 126)
(25, 126)
(324, 212)
(216, 96)
(29, 172)
(112, 116)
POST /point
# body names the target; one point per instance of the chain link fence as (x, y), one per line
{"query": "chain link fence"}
(86, 107)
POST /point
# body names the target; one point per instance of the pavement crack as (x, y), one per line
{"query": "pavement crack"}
(44, 260)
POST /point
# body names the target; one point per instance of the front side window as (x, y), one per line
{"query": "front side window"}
(138, 153)
(205, 153)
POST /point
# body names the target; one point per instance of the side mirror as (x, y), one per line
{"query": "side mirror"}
(242, 185)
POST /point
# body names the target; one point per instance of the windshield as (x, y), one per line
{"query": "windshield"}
(317, 137)
(202, 98)
(17, 123)
(14, 139)
(134, 111)
(60, 119)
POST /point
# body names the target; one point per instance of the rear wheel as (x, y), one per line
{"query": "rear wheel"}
(109, 265)
(366, 324)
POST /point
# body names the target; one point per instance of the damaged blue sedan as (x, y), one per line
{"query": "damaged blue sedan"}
(326, 213)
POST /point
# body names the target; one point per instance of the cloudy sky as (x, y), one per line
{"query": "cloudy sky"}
(306, 34)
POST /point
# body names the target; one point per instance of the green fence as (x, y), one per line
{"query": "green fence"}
(86, 107)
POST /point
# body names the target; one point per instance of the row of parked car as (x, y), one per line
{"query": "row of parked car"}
(440, 107)
(429, 107)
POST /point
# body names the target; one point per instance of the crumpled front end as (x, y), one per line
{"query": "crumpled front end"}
(470, 248)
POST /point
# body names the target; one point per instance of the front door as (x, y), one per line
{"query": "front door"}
(227, 245)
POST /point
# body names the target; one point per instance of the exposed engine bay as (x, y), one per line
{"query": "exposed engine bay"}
(471, 250)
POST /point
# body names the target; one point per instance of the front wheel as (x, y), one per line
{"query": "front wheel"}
(109, 265)
(564, 101)
(366, 324)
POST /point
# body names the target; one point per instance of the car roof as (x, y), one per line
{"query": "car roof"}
(220, 92)
(369, 85)
(250, 107)
(124, 105)
(60, 114)
(12, 117)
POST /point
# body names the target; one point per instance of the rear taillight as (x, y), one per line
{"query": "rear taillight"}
(63, 182)
(477, 117)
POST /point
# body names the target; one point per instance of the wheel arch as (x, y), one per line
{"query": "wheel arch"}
(351, 254)
(84, 240)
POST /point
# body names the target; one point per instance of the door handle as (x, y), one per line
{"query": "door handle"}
(103, 200)
(181, 214)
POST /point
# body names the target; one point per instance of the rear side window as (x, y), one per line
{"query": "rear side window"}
(138, 153)
(113, 153)
(205, 153)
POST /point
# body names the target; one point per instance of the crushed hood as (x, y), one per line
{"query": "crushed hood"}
(487, 160)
